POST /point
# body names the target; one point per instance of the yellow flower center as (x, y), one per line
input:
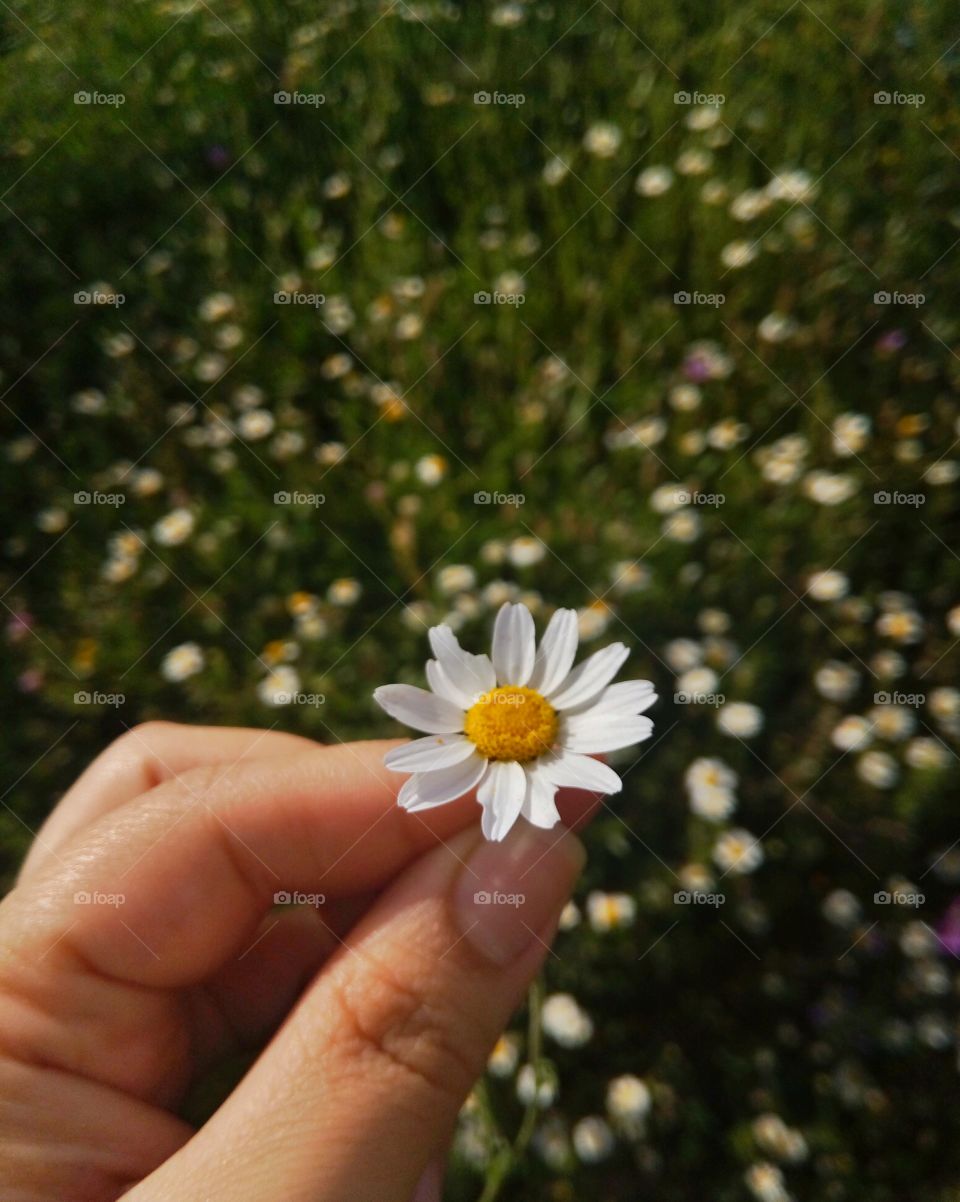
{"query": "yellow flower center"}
(511, 723)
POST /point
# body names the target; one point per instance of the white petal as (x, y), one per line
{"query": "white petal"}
(429, 789)
(539, 807)
(501, 796)
(419, 709)
(556, 653)
(514, 644)
(441, 684)
(408, 792)
(624, 698)
(429, 754)
(572, 771)
(473, 675)
(592, 733)
(590, 678)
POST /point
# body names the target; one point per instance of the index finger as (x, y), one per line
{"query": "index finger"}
(142, 758)
(187, 872)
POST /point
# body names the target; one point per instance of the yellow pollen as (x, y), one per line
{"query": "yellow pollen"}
(611, 910)
(511, 723)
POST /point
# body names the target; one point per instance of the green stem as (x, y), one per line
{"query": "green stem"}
(507, 1159)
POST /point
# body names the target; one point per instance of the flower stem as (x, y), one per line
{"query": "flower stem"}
(509, 1157)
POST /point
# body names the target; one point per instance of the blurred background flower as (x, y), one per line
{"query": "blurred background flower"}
(648, 314)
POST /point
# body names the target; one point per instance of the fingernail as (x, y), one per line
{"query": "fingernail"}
(508, 892)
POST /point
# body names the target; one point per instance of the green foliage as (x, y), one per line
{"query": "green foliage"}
(399, 198)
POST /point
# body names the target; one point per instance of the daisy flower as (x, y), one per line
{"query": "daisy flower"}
(182, 662)
(515, 725)
(628, 1099)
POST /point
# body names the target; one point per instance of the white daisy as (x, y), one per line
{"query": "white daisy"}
(516, 725)
(280, 687)
(654, 181)
(505, 1056)
(603, 139)
(174, 528)
(628, 1098)
(738, 851)
(592, 1139)
(610, 911)
(565, 1021)
(182, 662)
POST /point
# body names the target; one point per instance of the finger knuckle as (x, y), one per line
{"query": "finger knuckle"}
(399, 1026)
(145, 733)
(137, 746)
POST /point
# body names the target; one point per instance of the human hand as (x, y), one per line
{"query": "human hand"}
(380, 1004)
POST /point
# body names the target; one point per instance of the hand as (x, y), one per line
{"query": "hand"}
(141, 943)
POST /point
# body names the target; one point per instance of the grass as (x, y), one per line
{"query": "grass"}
(199, 183)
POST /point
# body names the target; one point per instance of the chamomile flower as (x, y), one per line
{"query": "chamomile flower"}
(525, 551)
(279, 687)
(592, 1139)
(505, 1056)
(610, 911)
(565, 1021)
(879, 769)
(780, 1141)
(516, 725)
(628, 1100)
(255, 424)
(841, 908)
(828, 585)
(853, 733)
(765, 1182)
(738, 253)
(710, 785)
(536, 1087)
(740, 719)
(182, 662)
(738, 851)
(344, 591)
(603, 139)
(836, 681)
(654, 181)
(456, 577)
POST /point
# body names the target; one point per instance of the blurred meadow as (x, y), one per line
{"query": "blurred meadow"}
(320, 324)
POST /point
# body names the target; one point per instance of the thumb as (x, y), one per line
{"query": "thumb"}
(362, 1086)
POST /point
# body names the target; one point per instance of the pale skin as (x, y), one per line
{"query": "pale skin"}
(375, 1010)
